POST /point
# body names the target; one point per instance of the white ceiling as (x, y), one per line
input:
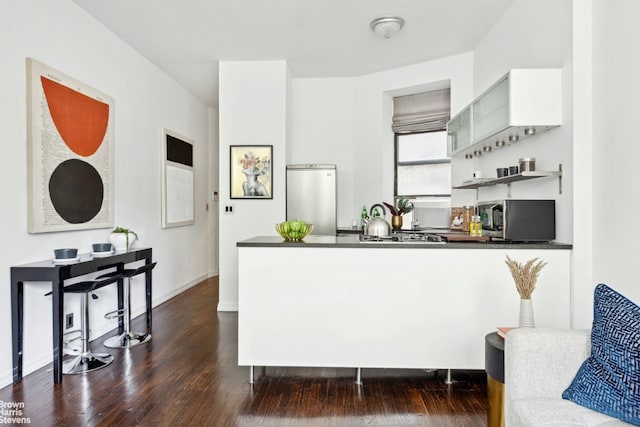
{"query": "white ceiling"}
(329, 38)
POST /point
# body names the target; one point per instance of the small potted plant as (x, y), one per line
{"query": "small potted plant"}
(122, 238)
(402, 206)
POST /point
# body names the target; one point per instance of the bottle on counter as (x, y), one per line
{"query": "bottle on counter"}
(484, 221)
(475, 229)
(467, 218)
(485, 218)
(472, 226)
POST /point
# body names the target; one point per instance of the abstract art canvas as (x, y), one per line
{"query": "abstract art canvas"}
(178, 183)
(70, 152)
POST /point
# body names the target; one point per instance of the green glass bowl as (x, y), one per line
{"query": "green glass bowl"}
(294, 231)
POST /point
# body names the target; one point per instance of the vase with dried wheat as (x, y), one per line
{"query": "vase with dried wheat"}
(525, 276)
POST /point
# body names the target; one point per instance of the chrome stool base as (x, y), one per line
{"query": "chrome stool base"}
(86, 362)
(82, 359)
(127, 340)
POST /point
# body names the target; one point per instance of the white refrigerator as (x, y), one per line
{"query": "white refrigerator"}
(311, 196)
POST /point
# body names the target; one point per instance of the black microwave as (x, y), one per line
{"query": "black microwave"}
(519, 220)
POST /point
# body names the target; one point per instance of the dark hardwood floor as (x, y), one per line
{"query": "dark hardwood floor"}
(188, 375)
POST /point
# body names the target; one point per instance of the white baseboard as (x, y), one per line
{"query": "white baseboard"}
(33, 366)
(227, 306)
(5, 380)
(163, 298)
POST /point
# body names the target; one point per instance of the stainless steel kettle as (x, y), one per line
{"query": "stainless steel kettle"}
(377, 226)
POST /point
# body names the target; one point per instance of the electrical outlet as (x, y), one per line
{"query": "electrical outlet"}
(229, 209)
(69, 320)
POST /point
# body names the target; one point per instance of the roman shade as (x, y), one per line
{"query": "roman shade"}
(421, 112)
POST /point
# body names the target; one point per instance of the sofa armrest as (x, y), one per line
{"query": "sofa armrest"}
(542, 362)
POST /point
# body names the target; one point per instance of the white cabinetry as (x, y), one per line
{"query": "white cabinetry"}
(521, 104)
(459, 131)
(386, 308)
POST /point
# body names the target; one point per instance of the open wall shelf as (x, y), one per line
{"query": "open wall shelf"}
(523, 176)
(509, 179)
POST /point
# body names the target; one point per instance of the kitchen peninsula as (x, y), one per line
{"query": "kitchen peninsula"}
(339, 302)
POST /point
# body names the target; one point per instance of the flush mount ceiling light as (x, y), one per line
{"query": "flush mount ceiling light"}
(387, 26)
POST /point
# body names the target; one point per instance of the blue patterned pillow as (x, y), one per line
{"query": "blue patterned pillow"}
(609, 380)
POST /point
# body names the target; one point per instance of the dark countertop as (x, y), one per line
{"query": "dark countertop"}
(351, 241)
(350, 230)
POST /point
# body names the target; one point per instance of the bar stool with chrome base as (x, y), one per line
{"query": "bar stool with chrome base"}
(128, 338)
(85, 360)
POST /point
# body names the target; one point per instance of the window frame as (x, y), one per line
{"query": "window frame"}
(446, 160)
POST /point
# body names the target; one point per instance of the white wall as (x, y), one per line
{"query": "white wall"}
(354, 133)
(213, 196)
(582, 275)
(253, 111)
(61, 35)
(539, 34)
(593, 42)
(534, 35)
(546, 33)
(616, 194)
(531, 35)
(373, 151)
(348, 122)
(323, 131)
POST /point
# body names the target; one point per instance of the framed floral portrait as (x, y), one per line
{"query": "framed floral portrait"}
(250, 171)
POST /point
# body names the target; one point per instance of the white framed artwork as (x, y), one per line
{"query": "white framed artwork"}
(70, 153)
(178, 180)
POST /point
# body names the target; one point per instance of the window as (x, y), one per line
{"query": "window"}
(422, 167)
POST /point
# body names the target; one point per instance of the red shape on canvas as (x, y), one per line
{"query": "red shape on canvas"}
(80, 120)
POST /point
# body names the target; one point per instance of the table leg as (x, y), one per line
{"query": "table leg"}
(448, 380)
(120, 287)
(120, 269)
(147, 280)
(57, 293)
(17, 301)
(495, 400)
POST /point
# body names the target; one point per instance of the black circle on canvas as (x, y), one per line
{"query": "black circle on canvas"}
(76, 191)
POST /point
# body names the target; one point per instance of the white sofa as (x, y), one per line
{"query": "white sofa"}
(539, 365)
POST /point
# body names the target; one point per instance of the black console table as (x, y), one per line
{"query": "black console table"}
(48, 271)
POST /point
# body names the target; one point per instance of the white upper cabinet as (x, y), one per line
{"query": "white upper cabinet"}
(491, 111)
(521, 104)
(459, 131)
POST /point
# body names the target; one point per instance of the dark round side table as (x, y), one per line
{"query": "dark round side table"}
(494, 365)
